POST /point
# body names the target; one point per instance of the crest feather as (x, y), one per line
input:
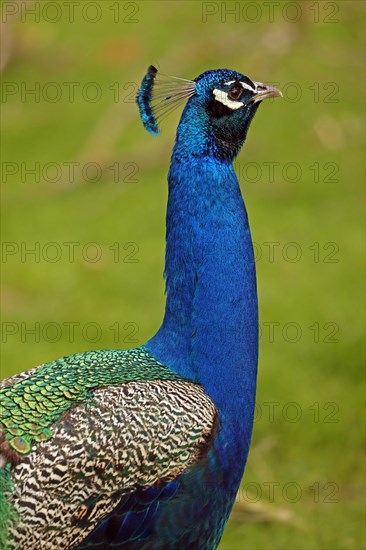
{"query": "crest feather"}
(159, 95)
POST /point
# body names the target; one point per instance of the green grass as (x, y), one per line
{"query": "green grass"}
(313, 464)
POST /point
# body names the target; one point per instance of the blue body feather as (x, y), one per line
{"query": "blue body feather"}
(210, 330)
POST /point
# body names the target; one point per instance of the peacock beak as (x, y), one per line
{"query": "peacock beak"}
(262, 91)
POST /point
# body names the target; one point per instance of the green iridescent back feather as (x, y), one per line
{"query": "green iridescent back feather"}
(110, 439)
(29, 407)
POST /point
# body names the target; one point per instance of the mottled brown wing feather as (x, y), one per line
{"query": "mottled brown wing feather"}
(125, 437)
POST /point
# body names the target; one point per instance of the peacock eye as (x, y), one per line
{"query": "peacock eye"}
(236, 93)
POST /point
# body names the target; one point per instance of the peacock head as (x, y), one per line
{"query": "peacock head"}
(220, 103)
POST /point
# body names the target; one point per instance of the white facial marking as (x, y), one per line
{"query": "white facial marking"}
(224, 99)
(247, 86)
(228, 83)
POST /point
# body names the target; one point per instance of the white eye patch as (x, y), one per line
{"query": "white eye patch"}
(247, 86)
(223, 97)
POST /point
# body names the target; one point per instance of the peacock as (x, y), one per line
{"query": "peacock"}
(145, 448)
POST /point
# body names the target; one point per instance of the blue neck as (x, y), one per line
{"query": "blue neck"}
(209, 332)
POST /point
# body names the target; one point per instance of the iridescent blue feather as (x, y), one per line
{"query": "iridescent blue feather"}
(144, 100)
(159, 95)
(144, 449)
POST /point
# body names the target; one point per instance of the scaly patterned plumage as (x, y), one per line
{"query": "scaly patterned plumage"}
(145, 448)
(32, 404)
(91, 460)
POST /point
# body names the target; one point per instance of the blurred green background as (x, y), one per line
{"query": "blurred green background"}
(84, 187)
